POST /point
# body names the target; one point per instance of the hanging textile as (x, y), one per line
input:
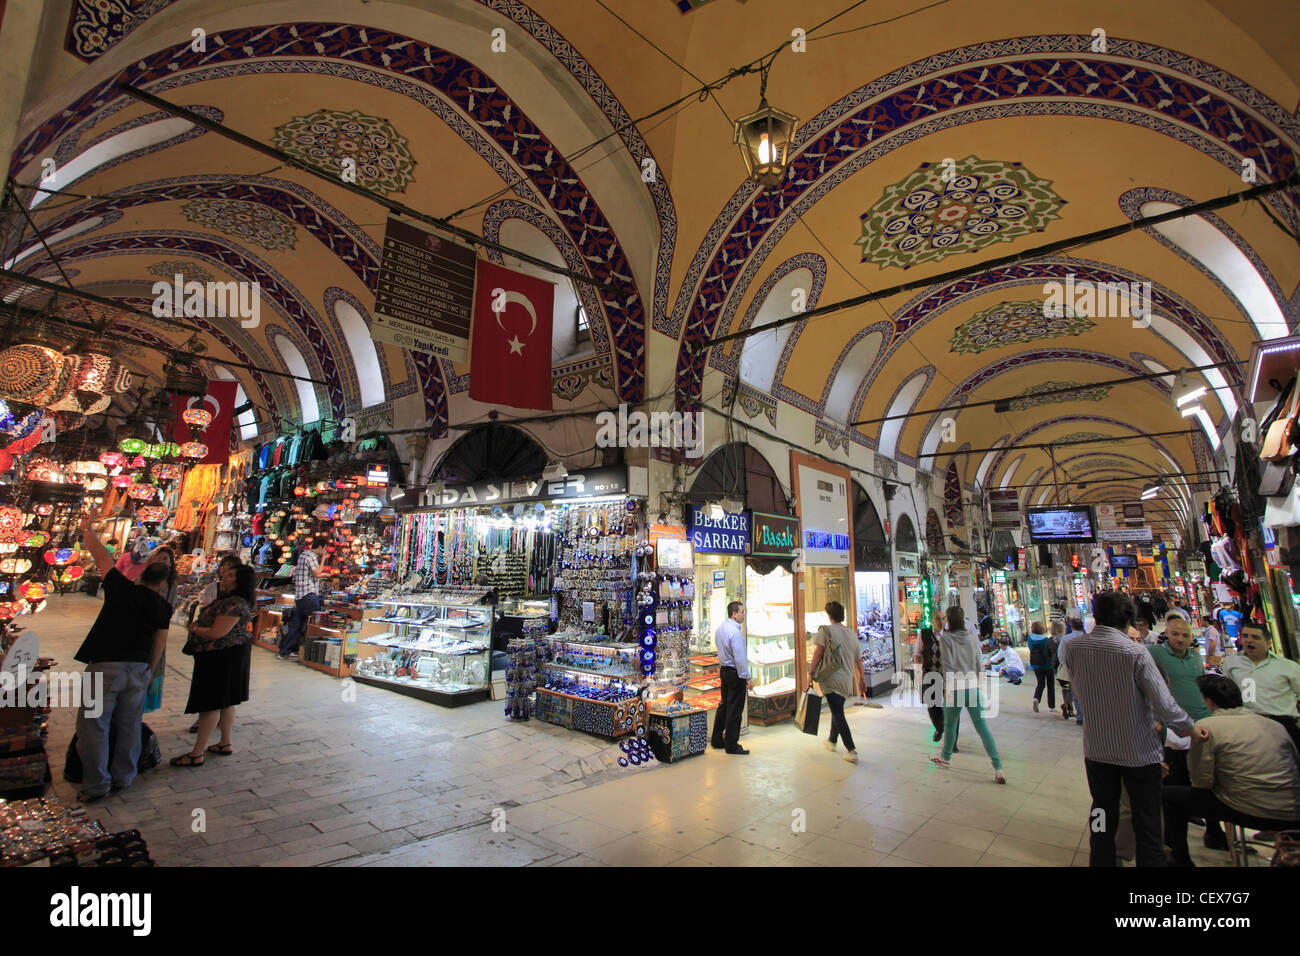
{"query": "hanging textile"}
(198, 488)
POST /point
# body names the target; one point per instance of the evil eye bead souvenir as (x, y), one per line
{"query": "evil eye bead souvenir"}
(636, 761)
(622, 761)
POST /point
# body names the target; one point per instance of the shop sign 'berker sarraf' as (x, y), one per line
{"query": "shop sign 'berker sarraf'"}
(727, 533)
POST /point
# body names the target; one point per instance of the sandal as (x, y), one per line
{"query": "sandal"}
(187, 760)
(221, 750)
(938, 761)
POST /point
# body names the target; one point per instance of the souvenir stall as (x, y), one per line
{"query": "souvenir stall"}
(770, 617)
(565, 547)
(915, 602)
(720, 541)
(821, 490)
(873, 595)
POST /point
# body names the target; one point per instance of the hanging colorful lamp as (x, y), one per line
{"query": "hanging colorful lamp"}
(58, 557)
(194, 449)
(151, 514)
(112, 459)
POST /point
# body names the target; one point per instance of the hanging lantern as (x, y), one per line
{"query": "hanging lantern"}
(122, 481)
(94, 379)
(764, 138)
(33, 591)
(58, 557)
(43, 469)
(15, 565)
(112, 459)
(34, 374)
(166, 471)
(133, 446)
(11, 520)
(198, 417)
(71, 574)
(98, 483)
(194, 449)
(151, 514)
(9, 610)
(31, 539)
(142, 491)
(44, 510)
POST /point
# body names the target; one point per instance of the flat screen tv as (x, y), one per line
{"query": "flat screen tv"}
(1062, 524)
(1123, 561)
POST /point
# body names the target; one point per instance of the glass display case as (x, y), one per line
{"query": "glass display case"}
(435, 645)
(769, 639)
(823, 585)
(875, 628)
(591, 686)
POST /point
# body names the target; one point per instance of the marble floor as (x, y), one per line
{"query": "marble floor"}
(327, 773)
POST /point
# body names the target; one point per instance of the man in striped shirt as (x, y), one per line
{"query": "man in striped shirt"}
(1121, 743)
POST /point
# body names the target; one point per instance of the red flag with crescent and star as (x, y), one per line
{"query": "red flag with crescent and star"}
(220, 401)
(510, 345)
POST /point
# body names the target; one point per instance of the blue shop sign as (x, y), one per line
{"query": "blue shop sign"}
(728, 534)
(825, 541)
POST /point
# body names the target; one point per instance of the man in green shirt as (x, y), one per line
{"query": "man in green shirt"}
(1270, 685)
(1181, 666)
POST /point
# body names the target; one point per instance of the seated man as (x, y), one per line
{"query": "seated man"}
(1013, 668)
(1243, 769)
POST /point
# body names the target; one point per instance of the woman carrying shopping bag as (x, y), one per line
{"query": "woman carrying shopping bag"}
(835, 665)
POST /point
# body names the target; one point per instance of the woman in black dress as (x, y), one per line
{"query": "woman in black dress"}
(221, 644)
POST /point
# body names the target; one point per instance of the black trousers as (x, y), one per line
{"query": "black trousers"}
(932, 698)
(1048, 678)
(1183, 802)
(726, 725)
(839, 725)
(1180, 777)
(1144, 792)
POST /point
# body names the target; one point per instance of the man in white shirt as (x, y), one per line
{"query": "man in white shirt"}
(1270, 685)
(734, 671)
(1211, 640)
(1013, 668)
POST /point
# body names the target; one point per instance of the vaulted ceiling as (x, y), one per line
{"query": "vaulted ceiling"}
(933, 136)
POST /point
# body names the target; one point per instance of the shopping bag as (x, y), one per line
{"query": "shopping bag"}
(153, 697)
(809, 712)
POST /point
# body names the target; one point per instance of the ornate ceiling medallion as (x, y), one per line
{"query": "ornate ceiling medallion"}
(952, 207)
(1031, 397)
(330, 139)
(252, 221)
(1014, 323)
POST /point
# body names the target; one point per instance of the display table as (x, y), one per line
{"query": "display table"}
(678, 735)
(612, 720)
(771, 710)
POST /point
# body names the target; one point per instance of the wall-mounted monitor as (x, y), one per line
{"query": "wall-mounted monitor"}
(1062, 524)
(1118, 561)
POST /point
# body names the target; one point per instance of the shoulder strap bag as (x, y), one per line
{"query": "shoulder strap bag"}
(1282, 432)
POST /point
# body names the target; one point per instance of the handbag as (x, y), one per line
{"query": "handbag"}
(1283, 431)
(809, 714)
(830, 662)
(1277, 478)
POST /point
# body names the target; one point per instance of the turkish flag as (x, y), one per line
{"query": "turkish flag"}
(510, 340)
(220, 401)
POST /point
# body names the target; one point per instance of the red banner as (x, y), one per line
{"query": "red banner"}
(220, 401)
(510, 345)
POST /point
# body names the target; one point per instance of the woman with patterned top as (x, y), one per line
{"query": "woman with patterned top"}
(221, 644)
(929, 672)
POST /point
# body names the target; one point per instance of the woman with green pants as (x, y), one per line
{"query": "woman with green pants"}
(959, 656)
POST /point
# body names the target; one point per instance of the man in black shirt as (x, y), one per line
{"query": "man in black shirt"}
(121, 652)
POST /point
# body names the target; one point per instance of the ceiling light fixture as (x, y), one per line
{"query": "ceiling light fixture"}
(764, 138)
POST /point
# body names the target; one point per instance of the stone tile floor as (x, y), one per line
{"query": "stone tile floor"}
(366, 777)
